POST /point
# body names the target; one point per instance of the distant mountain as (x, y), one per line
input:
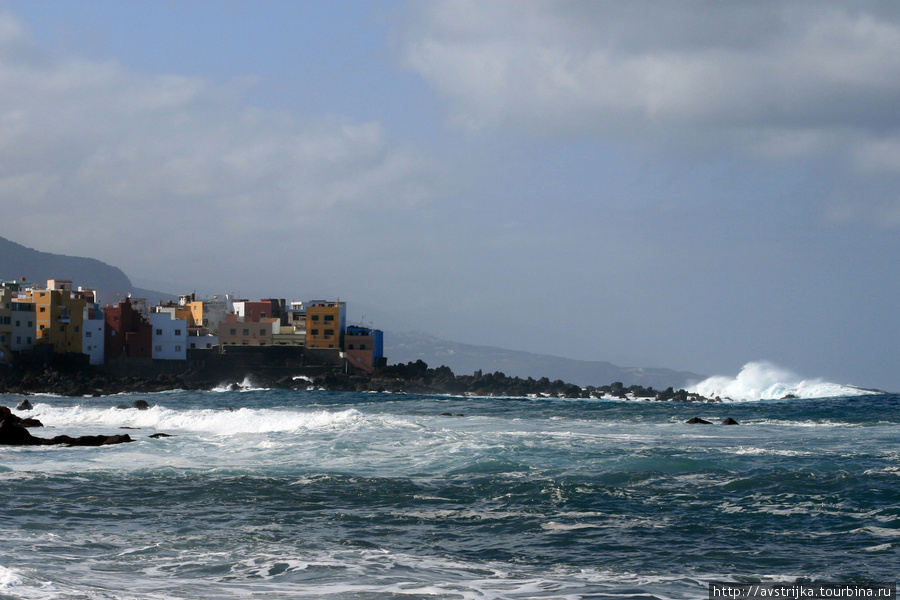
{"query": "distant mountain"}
(465, 359)
(18, 261)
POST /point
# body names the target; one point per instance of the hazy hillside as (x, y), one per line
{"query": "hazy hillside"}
(464, 359)
(17, 261)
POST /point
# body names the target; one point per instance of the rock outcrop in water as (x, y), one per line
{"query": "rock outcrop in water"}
(418, 378)
(14, 432)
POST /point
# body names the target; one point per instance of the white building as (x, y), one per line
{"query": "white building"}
(169, 337)
(92, 338)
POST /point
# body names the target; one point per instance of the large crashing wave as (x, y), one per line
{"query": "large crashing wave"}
(764, 381)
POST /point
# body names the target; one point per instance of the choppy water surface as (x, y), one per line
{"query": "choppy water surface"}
(285, 494)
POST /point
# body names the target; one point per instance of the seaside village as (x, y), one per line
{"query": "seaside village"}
(55, 322)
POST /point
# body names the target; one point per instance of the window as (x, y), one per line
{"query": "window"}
(349, 346)
(262, 332)
(234, 332)
(177, 332)
(18, 323)
(159, 332)
(87, 334)
(177, 348)
(315, 332)
(30, 323)
(157, 348)
(62, 328)
(329, 332)
(43, 309)
(329, 318)
(362, 346)
(76, 329)
(315, 318)
(246, 332)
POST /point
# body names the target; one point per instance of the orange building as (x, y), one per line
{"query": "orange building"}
(325, 324)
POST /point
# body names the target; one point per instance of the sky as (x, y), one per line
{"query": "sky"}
(691, 185)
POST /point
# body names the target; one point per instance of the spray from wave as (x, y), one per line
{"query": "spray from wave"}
(763, 380)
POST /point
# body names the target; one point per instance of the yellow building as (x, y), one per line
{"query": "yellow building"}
(325, 324)
(59, 316)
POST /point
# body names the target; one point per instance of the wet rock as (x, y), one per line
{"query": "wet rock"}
(24, 405)
(88, 440)
(730, 421)
(156, 436)
(13, 432)
(698, 421)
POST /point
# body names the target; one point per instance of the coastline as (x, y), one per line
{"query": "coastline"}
(415, 378)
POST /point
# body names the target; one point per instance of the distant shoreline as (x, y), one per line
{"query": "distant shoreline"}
(415, 378)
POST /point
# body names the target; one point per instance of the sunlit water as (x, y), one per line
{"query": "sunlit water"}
(312, 494)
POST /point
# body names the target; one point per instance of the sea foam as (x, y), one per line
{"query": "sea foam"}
(762, 380)
(218, 422)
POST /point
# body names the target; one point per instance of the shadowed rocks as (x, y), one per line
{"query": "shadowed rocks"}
(13, 432)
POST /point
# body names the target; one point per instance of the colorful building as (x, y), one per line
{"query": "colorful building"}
(169, 336)
(364, 348)
(234, 331)
(325, 324)
(127, 332)
(59, 315)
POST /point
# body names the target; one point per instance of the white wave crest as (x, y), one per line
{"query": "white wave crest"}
(218, 422)
(762, 380)
(9, 578)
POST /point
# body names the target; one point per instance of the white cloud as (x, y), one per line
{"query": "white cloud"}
(637, 69)
(781, 81)
(83, 144)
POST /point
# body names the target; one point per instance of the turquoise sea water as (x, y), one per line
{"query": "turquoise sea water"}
(313, 494)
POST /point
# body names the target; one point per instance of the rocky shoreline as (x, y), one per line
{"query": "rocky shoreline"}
(414, 378)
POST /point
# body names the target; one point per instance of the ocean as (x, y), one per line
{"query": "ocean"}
(314, 494)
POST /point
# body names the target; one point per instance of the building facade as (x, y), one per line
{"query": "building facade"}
(325, 324)
(363, 348)
(169, 337)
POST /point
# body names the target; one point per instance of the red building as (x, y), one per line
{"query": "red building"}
(128, 333)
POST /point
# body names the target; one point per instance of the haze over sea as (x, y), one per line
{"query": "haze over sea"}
(314, 494)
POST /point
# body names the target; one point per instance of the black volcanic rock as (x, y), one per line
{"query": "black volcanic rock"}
(698, 421)
(14, 433)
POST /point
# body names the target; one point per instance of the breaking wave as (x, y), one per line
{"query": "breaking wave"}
(218, 422)
(762, 380)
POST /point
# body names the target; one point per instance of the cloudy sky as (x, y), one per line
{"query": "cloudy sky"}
(692, 185)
